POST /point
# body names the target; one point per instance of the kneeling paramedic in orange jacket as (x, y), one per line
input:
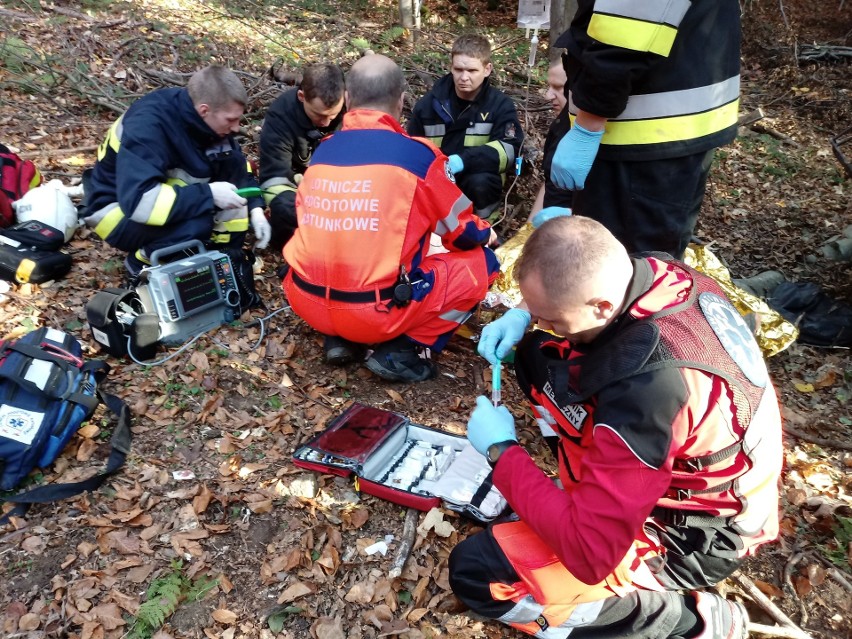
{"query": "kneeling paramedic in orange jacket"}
(668, 436)
(367, 206)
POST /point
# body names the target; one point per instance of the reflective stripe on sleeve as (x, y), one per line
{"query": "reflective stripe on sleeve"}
(155, 205)
(451, 221)
(105, 220)
(632, 34)
(661, 11)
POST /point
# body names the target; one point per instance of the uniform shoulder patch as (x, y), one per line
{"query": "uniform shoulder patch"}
(735, 337)
(449, 174)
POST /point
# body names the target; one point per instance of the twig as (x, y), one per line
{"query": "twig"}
(751, 117)
(813, 439)
(762, 128)
(777, 631)
(794, 559)
(409, 531)
(763, 601)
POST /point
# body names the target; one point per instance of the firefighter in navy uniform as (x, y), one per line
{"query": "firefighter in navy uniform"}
(473, 123)
(668, 437)
(294, 125)
(169, 169)
(653, 89)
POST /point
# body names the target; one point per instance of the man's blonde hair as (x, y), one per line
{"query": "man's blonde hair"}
(473, 46)
(217, 87)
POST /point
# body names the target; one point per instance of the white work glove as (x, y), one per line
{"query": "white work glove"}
(225, 195)
(261, 227)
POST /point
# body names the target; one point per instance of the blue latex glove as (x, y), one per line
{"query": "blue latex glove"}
(502, 334)
(456, 164)
(573, 158)
(489, 424)
(548, 214)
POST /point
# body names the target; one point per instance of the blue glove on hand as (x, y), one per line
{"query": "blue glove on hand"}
(456, 164)
(548, 214)
(501, 335)
(489, 424)
(573, 158)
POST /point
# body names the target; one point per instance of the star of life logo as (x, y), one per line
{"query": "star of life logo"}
(574, 413)
(19, 424)
(450, 176)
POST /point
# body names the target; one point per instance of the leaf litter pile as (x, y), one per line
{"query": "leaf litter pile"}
(210, 530)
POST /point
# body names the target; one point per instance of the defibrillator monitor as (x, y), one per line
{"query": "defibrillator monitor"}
(196, 289)
(190, 295)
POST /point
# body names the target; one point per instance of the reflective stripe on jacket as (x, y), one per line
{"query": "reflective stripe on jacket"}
(665, 73)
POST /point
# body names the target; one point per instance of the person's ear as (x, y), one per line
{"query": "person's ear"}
(346, 99)
(488, 69)
(301, 95)
(203, 110)
(604, 309)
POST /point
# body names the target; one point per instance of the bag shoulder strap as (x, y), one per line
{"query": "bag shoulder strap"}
(119, 449)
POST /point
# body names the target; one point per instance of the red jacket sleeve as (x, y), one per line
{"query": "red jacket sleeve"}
(592, 527)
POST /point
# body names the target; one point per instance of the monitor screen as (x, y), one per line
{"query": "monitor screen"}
(196, 288)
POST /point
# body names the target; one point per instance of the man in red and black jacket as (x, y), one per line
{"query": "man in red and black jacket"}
(668, 436)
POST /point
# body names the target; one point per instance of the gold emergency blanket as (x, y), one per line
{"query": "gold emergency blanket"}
(773, 334)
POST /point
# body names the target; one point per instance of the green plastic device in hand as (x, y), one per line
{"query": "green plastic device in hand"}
(250, 191)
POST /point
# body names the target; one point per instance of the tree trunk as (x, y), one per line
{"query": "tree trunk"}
(406, 18)
(561, 14)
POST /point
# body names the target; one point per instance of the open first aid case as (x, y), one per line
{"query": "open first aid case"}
(405, 463)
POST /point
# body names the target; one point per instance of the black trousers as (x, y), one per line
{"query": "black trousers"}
(282, 219)
(483, 189)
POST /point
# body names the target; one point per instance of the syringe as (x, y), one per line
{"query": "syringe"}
(496, 394)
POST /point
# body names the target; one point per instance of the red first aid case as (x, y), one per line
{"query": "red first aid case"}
(405, 463)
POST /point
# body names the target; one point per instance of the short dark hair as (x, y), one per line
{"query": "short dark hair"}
(564, 251)
(323, 80)
(473, 46)
(380, 88)
(216, 87)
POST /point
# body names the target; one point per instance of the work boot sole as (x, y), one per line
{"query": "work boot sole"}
(427, 371)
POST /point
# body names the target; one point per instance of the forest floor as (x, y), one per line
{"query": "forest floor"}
(250, 545)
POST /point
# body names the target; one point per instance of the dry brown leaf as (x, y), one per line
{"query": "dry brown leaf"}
(294, 591)
(108, 615)
(361, 593)
(225, 584)
(327, 628)
(86, 450)
(395, 396)
(202, 500)
(224, 616)
(29, 622)
(199, 360)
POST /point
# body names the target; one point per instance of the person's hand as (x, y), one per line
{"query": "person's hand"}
(455, 163)
(574, 156)
(297, 178)
(489, 425)
(261, 227)
(225, 195)
(549, 213)
(502, 334)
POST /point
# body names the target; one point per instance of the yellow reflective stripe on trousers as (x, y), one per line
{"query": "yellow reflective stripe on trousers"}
(108, 222)
(632, 34)
(673, 129)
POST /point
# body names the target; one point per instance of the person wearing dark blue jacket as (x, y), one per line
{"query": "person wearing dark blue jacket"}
(168, 171)
(473, 123)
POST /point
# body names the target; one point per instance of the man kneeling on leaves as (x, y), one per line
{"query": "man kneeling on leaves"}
(667, 431)
(168, 172)
(360, 271)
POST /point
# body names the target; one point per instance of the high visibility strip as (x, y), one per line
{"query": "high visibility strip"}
(434, 130)
(672, 103)
(674, 129)
(660, 11)
(451, 221)
(475, 140)
(182, 177)
(155, 206)
(632, 34)
(436, 141)
(109, 219)
(501, 153)
(112, 139)
(235, 226)
(458, 317)
(481, 128)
